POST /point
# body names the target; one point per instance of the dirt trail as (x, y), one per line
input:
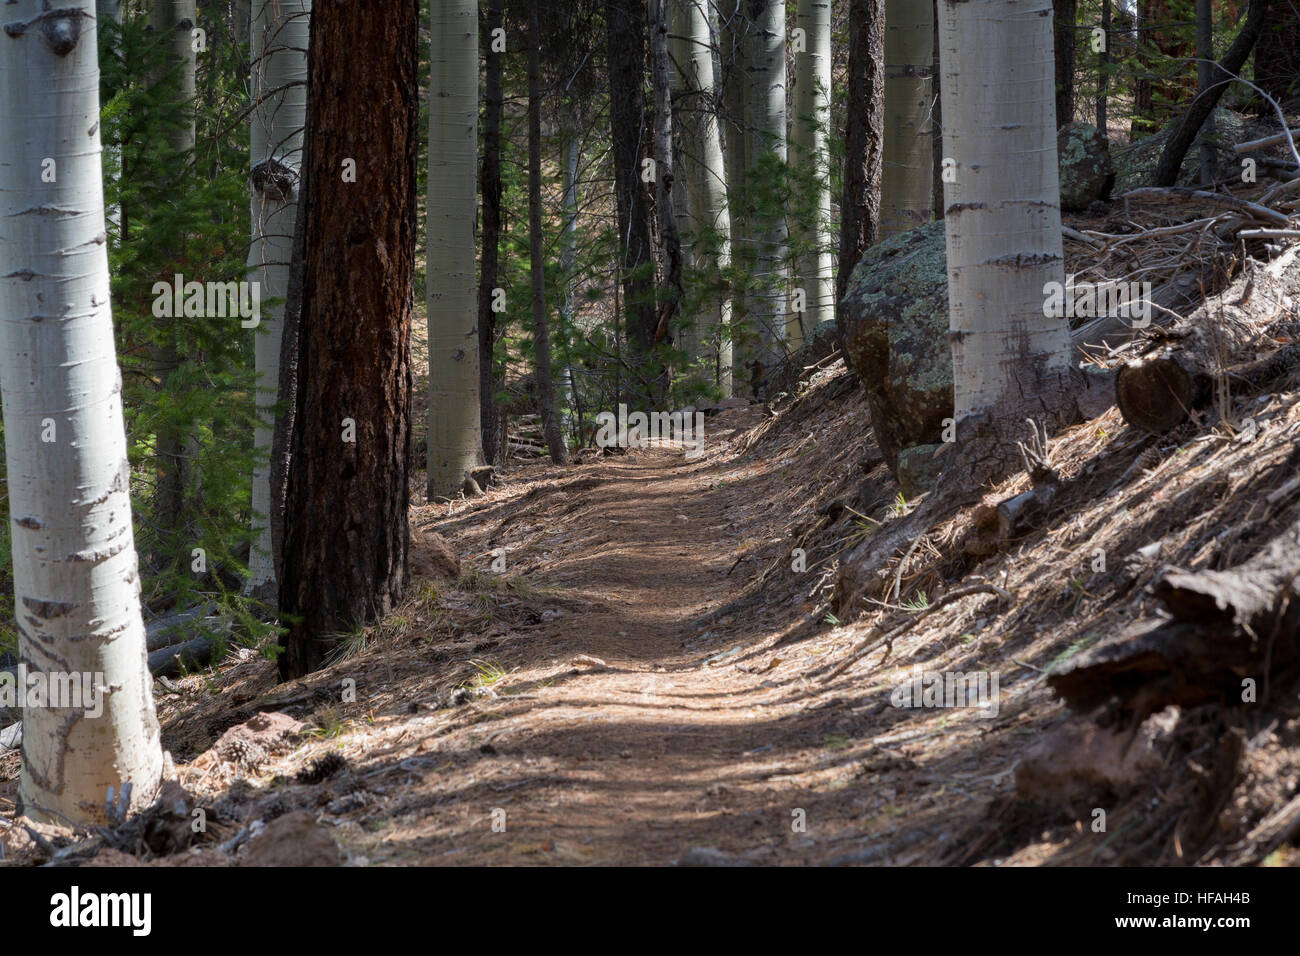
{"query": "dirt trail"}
(690, 734)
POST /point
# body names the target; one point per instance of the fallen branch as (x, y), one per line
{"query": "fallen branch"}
(1187, 194)
(1159, 392)
(168, 661)
(173, 628)
(1269, 234)
(1226, 625)
(1254, 144)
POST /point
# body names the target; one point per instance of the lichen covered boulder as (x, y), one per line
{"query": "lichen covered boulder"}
(1087, 173)
(894, 323)
(1135, 164)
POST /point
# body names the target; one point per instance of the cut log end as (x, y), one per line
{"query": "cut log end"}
(1155, 394)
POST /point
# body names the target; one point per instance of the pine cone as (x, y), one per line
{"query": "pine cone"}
(322, 768)
(244, 753)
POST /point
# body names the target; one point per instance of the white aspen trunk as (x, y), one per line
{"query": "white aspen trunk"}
(76, 584)
(777, 326)
(815, 270)
(454, 433)
(706, 172)
(279, 37)
(1003, 212)
(732, 48)
(907, 180)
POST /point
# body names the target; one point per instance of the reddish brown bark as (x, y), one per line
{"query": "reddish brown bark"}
(345, 521)
(864, 144)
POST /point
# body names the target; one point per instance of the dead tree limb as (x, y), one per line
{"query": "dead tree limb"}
(1225, 627)
(1187, 194)
(1171, 159)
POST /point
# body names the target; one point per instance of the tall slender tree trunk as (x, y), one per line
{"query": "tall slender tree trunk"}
(76, 583)
(815, 269)
(864, 148)
(708, 176)
(346, 499)
(907, 180)
(570, 160)
(455, 439)
(279, 37)
(626, 32)
(174, 22)
(1277, 54)
(551, 430)
(1103, 70)
(1003, 224)
(105, 11)
(778, 326)
(1204, 79)
(241, 15)
(490, 186)
(733, 32)
(1143, 109)
(936, 124)
(672, 290)
(1176, 147)
(684, 122)
(1064, 13)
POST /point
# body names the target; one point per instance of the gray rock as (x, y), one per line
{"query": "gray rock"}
(894, 320)
(1087, 173)
(1136, 162)
(709, 856)
(918, 469)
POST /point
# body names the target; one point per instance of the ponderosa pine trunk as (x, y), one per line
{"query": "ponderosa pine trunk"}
(279, 36)
(346, 495)
(76, 582)
(815, 269)
(454, 436)
(907, 179)
(551, 430)
(863, 141)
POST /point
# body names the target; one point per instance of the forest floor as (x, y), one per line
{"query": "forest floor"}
(645, 681)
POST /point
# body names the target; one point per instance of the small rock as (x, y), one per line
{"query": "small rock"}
(709, 856)
(1087, 173)
(295, 839)
(432, 557)
(1080, 762)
